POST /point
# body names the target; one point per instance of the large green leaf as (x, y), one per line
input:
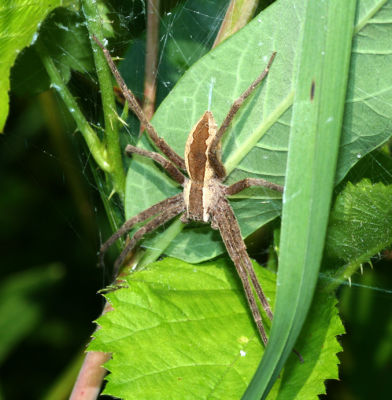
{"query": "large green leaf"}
(256, 144)
(184, 331)
(19, 22)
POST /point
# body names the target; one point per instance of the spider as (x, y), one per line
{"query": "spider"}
(204, 196)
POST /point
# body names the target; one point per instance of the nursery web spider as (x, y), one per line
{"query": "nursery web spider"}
(204, 197)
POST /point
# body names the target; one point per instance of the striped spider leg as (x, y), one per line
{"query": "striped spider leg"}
(204, 196)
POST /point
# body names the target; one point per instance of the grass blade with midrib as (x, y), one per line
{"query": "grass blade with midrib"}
(313, 149)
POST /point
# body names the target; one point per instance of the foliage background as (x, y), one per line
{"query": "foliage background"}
(51, 225)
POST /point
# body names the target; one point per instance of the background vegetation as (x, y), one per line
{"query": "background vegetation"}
(52, 218)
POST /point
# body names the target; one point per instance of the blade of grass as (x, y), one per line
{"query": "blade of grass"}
(313, 147)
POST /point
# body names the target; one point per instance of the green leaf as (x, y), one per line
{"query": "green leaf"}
(318, 346)
(19, 22)
(19, 313)
(360, 226)
(256, 144)
(184, 331)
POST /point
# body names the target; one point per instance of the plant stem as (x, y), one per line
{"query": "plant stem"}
(150, 74)
(94, 25)
(94, 144)
(89, 381)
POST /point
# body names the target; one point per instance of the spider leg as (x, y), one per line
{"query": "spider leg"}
(167, 165)
(213, 152)
(160, 219)
(248, 182)
(128, 225)
(223, 217)
(134, 106)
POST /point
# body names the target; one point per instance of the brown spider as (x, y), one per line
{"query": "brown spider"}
(204, 197)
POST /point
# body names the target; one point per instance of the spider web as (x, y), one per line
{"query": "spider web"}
(187, 31)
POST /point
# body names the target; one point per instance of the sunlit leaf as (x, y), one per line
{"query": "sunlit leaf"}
(184, 331)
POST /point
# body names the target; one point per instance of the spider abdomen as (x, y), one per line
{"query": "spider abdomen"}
(200, 199)
(193, 199)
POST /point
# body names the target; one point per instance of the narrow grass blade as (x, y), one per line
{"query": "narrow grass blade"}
(313, 149)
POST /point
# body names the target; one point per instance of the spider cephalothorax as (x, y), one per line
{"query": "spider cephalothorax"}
(204, 197)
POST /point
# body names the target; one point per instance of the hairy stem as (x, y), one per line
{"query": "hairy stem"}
(94, 144)
(94, 26)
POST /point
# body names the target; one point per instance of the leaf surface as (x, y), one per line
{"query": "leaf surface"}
(184, 331)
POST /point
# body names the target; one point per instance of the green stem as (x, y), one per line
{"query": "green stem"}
(94, 25)
(96, 147)
(151, 60)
